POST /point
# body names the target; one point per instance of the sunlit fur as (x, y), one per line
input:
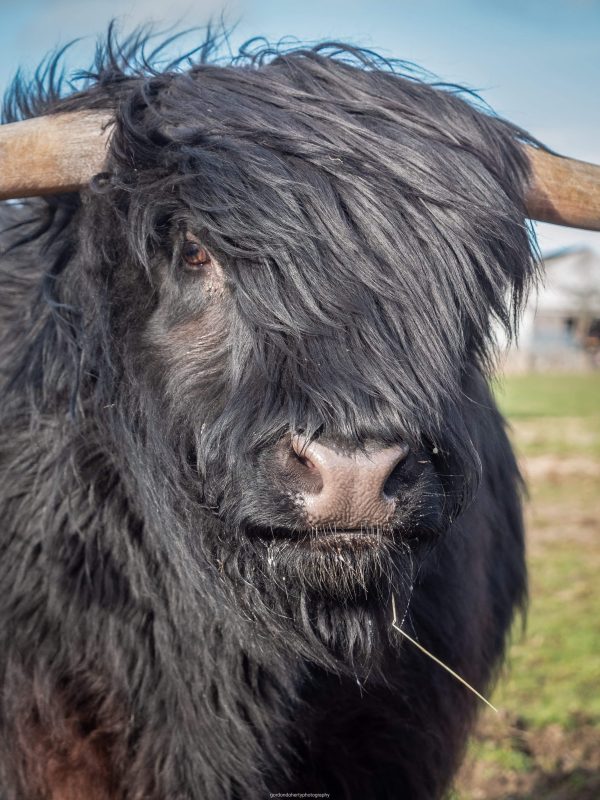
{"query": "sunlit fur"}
(170, 625)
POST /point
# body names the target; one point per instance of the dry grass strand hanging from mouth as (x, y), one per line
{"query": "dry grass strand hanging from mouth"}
(437, 660)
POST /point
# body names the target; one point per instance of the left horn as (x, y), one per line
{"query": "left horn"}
(52, 154)
(563, 191)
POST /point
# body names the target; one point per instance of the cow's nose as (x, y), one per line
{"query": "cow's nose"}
(346, 489)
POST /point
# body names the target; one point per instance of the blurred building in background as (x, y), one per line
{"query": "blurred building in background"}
(560, 328)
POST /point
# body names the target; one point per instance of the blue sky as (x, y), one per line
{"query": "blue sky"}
(536, 62)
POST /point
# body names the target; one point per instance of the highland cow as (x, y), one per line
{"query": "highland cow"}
(245, 406)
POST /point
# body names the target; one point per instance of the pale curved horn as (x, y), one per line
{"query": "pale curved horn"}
(52, 154)
(563, 191)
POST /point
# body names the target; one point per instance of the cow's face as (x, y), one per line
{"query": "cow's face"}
(295, 433)
(320, 273)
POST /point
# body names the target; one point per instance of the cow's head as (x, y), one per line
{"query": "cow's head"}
(293, 266)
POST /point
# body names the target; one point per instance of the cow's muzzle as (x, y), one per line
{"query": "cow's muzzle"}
(341, 489)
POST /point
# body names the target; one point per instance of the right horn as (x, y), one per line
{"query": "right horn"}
(52, 154)
(563, 191)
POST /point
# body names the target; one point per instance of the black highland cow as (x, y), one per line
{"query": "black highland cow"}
(244, 404)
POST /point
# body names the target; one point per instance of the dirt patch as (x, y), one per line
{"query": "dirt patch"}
(560, 436)
(564, 502)
(552, 467)
(509, 762)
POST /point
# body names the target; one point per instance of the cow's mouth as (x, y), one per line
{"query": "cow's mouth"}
(337, 565)
(349, 540)
(326, 538)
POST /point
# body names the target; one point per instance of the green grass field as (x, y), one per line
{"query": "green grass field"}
(548, 395)
(545, 743)
(553, 414)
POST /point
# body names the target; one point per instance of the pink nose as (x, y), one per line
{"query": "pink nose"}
(346, 489)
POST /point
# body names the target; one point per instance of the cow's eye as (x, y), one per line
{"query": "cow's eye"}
(194, 255)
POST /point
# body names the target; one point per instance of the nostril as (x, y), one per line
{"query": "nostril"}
(306, 462)
(299, 472)
(299, 447)
(399, 477)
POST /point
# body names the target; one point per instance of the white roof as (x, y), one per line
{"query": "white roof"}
(570, 283)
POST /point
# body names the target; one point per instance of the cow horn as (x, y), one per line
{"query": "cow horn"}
(563, 191)
(61, 153)
(52, 154)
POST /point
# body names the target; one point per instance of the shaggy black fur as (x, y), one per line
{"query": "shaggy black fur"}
(170, 627)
